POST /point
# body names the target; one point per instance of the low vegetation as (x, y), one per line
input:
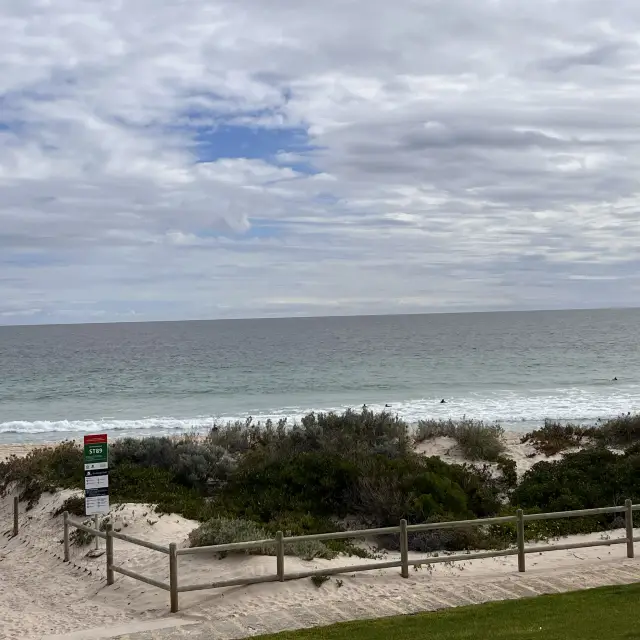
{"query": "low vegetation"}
(74, 505)
(476, 439)
(43, 470)
(227, 530)
(619, 432)
(249, 480)
(554, 438)
(583, 615)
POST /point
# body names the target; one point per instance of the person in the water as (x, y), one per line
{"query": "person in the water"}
(443, 401)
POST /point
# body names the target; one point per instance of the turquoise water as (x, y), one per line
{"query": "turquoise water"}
(518, 368)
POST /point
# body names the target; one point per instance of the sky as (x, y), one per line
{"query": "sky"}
(165, 159)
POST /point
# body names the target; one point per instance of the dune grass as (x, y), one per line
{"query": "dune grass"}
(609, 612)
(477, 440)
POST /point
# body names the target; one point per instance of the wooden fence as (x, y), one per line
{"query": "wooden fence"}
(279, 542)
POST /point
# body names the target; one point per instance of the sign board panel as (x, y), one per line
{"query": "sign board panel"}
(96, 474)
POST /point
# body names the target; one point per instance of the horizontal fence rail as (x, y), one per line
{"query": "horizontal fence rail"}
(141, 543)
(581, 513)
(279, 542)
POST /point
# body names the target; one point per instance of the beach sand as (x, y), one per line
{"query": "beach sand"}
(42, 597)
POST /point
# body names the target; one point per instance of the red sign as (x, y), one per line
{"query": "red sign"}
(97, 439)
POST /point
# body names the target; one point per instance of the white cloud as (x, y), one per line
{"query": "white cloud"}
(467, 154)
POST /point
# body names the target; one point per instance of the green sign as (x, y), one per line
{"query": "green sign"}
(98, 452)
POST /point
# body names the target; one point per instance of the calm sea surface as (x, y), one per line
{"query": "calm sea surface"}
(518, 368)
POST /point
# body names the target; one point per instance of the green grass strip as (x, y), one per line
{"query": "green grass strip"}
(611, 613)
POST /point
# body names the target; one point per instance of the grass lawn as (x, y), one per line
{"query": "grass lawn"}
(610, 613)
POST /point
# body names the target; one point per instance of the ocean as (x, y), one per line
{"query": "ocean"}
(517, 368)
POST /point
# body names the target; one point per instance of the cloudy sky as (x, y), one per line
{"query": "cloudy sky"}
(165, 159)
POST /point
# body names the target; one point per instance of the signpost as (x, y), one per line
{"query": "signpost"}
(96, 474)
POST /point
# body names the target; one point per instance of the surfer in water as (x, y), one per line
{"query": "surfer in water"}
(443, 401)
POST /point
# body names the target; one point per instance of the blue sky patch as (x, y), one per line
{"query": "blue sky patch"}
(231, 141)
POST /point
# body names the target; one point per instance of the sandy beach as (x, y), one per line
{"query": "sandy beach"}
(42, 597)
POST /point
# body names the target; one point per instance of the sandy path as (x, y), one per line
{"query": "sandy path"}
(374, 599)
(40, 595)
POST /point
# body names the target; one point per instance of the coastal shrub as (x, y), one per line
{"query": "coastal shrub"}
(591, 478)
(80, 538)
(476, 439)
(377, 490)
(468, 538)
(43, 470)
(620, 431)
(419, 489)
(263, 488)
(218, 531)
(554, 437)
(349, 434)
(239, 437)
(430, 429)
(508, 473)
(387, 490)
(319, 580)
(354, 433)
(74, 505)
(152, 485)
(303, 524)
(479, 441)
(194, 463)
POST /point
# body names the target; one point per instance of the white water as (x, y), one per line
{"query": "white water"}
(515, 410)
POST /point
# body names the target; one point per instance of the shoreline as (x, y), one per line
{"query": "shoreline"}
(45, 438)
(21, 431)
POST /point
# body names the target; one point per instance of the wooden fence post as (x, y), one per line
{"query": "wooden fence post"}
(628, 520)
(110, 578)
(404, 549)
(280, 555)
(520, 530)
(173, 576)
(66, 536)
(16, 507)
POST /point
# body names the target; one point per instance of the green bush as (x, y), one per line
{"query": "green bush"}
(193, 462)
(468, 538)
(349, 434)
(75, 505)
(263, 488)
(217, 531)
(554, 437)
(43, 470)
(238, 437)
(588, 479)
(81, 538)
(151, 485)
(509, 474)
(480, 441)
(430, 429)
(377, 489)
(619, 432)
(476, 439)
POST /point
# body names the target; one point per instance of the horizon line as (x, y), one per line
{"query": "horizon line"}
(322, 316)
